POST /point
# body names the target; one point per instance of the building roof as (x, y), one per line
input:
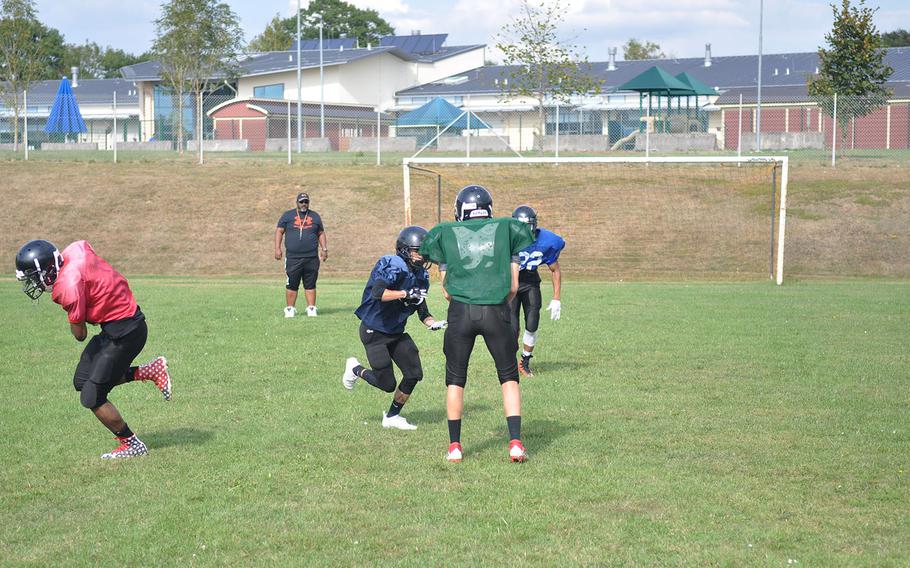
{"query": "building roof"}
(416, 43)
(88, 92)
(281, 61)
(725, 72)
(794, 94)
(279, 108)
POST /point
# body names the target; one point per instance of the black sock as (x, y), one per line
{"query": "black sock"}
(395, 408)
(514, 423)
(125, 433)
(455, 431)
(131, 374)
(367, 375)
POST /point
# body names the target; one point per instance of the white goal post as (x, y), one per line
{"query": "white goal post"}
(782, 162)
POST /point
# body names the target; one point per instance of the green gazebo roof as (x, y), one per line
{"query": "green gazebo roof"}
(656, 80)
(697, 86)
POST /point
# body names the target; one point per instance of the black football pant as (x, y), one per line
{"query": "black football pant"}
(493, 323)
(382, 350)
(529, 300)
(104, 364)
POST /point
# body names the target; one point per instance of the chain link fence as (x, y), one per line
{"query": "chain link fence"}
(127, 126)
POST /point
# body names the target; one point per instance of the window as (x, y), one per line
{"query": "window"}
(269, 91)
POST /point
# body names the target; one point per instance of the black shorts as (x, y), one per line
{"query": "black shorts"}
(528, 299)
(383, 349)
(297, 269)
(493, 323)
(104, 363)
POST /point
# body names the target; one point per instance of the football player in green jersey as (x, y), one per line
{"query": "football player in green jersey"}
(478, 260)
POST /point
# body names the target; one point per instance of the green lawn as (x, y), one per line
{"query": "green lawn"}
(669, 424)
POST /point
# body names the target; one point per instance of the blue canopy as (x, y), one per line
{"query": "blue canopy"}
(65, 116)
(440, 113)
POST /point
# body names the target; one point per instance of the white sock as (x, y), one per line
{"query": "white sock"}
(525, 353)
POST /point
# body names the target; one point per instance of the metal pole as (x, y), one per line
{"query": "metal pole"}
(648, 130)
(378, 128)
(468, 141)
(761, 23)
(834, 133)
(299, 87)
(773, 206)
(289, 133)
(407, 193)
(321, 85)
(199, 132)
(739, 140)
(557, 128)
(25, 120)
(115, 127)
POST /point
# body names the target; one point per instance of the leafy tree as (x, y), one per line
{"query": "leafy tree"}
(364, 25)
(96, 62)
(852, 65)
(635, 50)
(197, 42)
(540, 66)
(29, 51)
(276, 36)
(112, 60)
(897, 38)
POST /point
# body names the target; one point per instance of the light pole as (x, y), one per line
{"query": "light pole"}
(761, 18)
(321, 85)
(299, 87)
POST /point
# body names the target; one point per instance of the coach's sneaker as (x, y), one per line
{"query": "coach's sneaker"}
(311, 311)
(524, 365)
(454, 453)
(290, 311)
(129, 448)
(349, 378)
(517, 452)
(157, 372)
(398, 422)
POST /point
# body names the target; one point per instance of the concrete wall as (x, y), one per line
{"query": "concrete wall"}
(309, 145)
(785, 141)
(577, 143)
(692, 142)
(69, 146)
(478, 144)
(155, 146)
(368, 144)
(219, 146)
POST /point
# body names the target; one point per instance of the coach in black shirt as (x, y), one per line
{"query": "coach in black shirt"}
(304, 239)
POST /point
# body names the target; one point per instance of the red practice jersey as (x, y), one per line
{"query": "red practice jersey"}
(89, 288)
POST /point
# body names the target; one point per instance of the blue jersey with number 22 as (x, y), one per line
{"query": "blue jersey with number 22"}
(544, 250)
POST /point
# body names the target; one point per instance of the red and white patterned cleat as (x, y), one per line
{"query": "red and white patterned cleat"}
(517, 452)
(156, 371)
(129, 448)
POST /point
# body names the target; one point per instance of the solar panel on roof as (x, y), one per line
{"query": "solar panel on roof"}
(332, 43)
(430, 43)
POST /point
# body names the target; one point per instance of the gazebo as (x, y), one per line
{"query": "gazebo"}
(656, 81)
(429, 120)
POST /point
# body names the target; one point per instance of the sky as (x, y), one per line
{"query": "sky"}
(680, 27)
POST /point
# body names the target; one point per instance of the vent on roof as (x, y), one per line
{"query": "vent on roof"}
(787, 71)
(612, 65)
(775, 72)
(707, 55)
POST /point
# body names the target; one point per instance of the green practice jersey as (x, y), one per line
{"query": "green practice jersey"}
(478, 255)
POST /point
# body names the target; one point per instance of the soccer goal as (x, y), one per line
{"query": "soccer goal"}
(667, 218)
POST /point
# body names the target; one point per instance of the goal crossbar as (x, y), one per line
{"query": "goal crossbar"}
(784, 162)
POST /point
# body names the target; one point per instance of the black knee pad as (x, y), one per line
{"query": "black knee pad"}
(532, 320)
(385, 379)
(408, 383)
(92, 396)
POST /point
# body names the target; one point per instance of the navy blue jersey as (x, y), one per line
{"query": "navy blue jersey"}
(390, 317)
(544, 250)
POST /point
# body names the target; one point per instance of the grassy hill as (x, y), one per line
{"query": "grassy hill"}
(174, 218)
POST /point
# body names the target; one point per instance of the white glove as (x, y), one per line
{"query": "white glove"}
(438, 324)
(554, 308)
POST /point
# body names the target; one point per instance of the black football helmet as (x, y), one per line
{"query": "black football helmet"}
(37, 265)
(410, 239)
(473, 202)
(526, 214)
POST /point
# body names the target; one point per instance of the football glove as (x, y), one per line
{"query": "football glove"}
(438, 324)
(554, 309)
(415, 296)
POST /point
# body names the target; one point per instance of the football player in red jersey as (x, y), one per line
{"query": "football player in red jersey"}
(91, 291)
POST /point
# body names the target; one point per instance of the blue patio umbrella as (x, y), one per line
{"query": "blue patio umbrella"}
(65, 117)
(440, 113)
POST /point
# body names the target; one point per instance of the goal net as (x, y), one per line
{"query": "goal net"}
(697, 218)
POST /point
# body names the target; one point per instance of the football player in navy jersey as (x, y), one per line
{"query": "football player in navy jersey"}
(545, 250)
(397, 288)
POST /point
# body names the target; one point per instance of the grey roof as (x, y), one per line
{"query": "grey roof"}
(279, 108)
(422, 44)
(794, 94)
(279, 61)
(327, 43)
(725, 72)
(88, 91)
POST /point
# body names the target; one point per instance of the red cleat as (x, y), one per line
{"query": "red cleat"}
(454, 453)
(157, 372)
(129, 448)
(517, 452)
(524, 365)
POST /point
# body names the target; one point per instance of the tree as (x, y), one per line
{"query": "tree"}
(852, 65)
(539, 65)
(276, 36)
(29, 51)
(635, 50)
(96, 62)
(897, 38)
(364, 25)
(197, 42)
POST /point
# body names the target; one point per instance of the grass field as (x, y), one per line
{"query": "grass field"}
(669, 424)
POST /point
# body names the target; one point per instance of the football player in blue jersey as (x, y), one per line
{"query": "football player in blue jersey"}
(396, 289)
(545, 250)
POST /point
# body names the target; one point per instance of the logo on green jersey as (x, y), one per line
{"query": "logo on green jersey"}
(473, 246)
